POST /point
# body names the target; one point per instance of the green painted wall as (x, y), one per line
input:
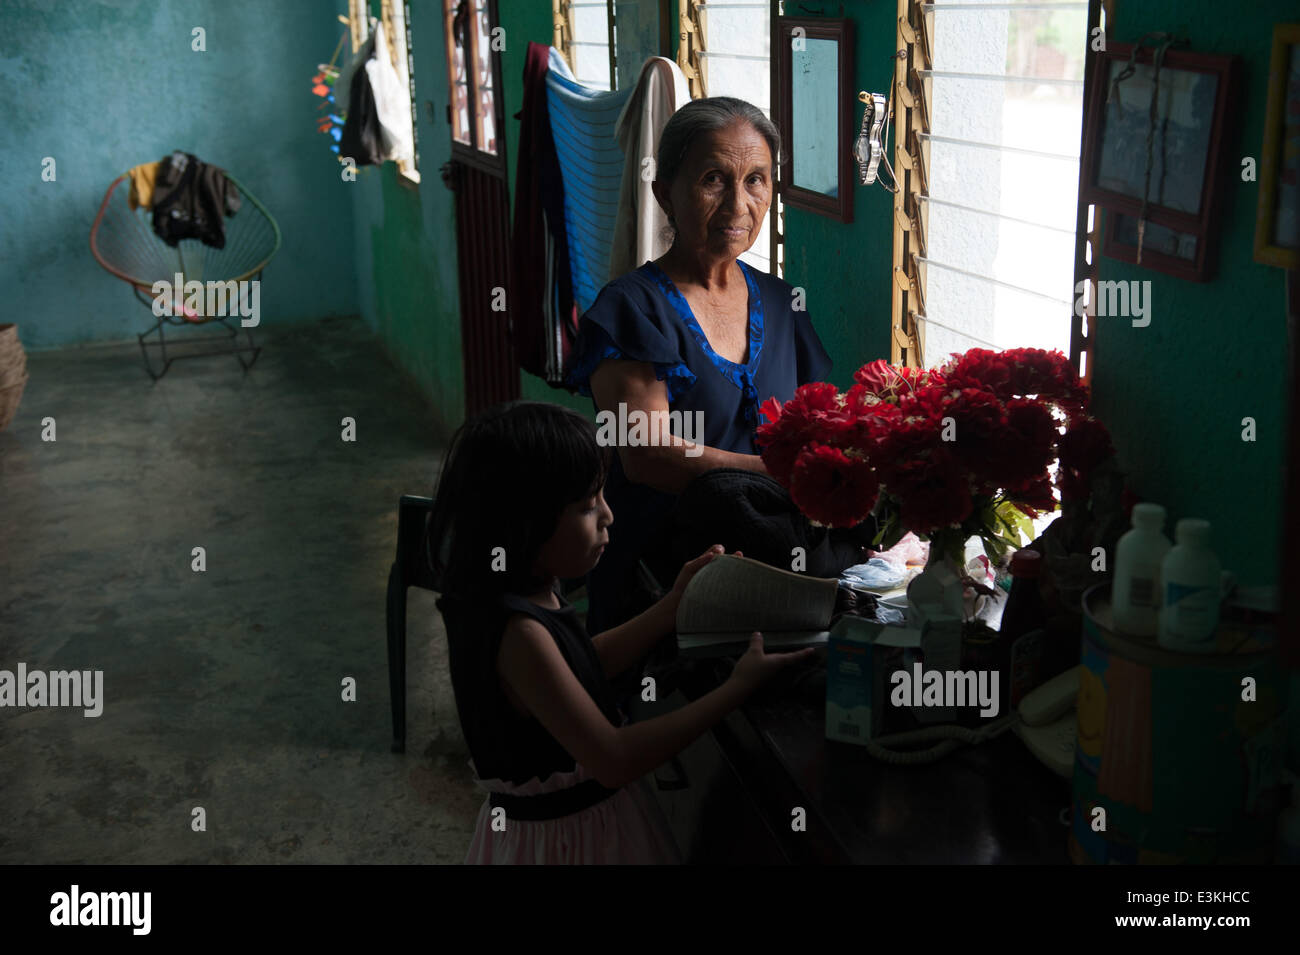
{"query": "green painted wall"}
(846, 269)
(1175, 392)
(405, 246)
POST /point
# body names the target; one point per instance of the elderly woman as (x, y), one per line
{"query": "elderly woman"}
(696, 331)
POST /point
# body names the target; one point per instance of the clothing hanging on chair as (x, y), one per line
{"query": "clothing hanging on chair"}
(142, 179)
(191, 200)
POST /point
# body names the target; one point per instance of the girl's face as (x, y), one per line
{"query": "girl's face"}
(579, 539)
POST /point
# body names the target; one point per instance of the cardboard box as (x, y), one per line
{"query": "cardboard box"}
(860, 656)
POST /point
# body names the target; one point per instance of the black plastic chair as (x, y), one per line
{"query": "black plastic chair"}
(410, 569)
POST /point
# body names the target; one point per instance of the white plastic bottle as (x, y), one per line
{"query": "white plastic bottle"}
(1190, 578)
(1136, 597)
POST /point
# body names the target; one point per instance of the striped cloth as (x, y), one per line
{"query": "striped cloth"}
(583, 122)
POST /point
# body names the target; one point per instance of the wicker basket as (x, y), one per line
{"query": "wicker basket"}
(13, 370)
(10, 396)
(13, 360)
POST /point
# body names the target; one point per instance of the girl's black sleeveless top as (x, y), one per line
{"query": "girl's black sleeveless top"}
(503, 743)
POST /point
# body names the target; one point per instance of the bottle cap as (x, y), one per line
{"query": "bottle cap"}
(1193, 531)
(1026, 563)
(1150, 517)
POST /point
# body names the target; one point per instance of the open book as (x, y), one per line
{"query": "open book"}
(731, 597)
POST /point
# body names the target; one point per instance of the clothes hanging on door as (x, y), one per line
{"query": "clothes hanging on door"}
(191, 201)
(640, 225)
(544, 318)
(583, 122)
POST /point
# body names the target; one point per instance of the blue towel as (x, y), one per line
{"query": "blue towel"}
(583, 123)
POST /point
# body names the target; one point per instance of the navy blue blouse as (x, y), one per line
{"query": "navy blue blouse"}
(642, 316)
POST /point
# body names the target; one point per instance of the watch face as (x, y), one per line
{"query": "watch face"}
(861, 150)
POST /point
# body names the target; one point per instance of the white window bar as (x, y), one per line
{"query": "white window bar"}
(996, 215)
(733, 56)
(963, 334)
(998, 147)
(969, 7)
(1000, 78)
(984, 278)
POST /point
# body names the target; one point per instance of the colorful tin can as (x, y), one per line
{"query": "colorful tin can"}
(1178, 755)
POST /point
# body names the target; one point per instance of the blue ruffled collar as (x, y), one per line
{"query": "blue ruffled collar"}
(740, 375)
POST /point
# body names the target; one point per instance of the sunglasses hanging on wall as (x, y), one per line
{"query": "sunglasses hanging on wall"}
(871, 147)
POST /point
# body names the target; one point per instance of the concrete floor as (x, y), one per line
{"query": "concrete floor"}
(222, 689)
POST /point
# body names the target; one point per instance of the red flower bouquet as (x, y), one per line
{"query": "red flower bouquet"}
(962, 450)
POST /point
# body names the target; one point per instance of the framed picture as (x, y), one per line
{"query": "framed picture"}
(1277, 224)
(1172, 163)
(814, 70)
(1163, 249)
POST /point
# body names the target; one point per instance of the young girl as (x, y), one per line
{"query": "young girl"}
(519, 508)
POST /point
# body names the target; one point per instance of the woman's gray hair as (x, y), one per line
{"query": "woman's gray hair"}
(702, 116)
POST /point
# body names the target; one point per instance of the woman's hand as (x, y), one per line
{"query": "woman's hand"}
(757, 666)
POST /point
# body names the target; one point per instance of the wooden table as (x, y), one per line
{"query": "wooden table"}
(991, 803)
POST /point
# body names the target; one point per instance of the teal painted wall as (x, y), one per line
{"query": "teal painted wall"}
(1175, 392)
(102, 86)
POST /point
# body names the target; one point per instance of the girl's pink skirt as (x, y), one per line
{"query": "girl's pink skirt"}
(627, 828)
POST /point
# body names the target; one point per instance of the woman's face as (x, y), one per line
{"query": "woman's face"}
(581, 534)
(721, 193)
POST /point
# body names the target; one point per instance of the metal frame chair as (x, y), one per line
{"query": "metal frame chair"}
(122, 240)
(410, 569)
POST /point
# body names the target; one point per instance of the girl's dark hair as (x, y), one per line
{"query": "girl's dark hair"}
(508, 475)
(702, 116)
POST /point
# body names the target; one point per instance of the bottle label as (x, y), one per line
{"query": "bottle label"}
(1193, 610)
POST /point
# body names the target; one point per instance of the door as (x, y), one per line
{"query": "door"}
(477, 176)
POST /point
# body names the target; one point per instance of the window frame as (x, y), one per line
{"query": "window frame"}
(915, 34)
(472, 154)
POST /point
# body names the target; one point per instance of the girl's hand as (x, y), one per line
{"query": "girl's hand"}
(691, 568)
(756, 667)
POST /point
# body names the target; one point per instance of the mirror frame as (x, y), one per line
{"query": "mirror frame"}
(840, 31)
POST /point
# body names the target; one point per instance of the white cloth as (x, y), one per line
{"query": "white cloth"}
(343, 85)
(660, 91)
(392, 101)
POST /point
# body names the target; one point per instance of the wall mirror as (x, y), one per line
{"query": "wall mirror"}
(814, 78)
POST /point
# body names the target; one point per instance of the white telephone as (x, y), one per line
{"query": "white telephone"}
(1048, 724)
